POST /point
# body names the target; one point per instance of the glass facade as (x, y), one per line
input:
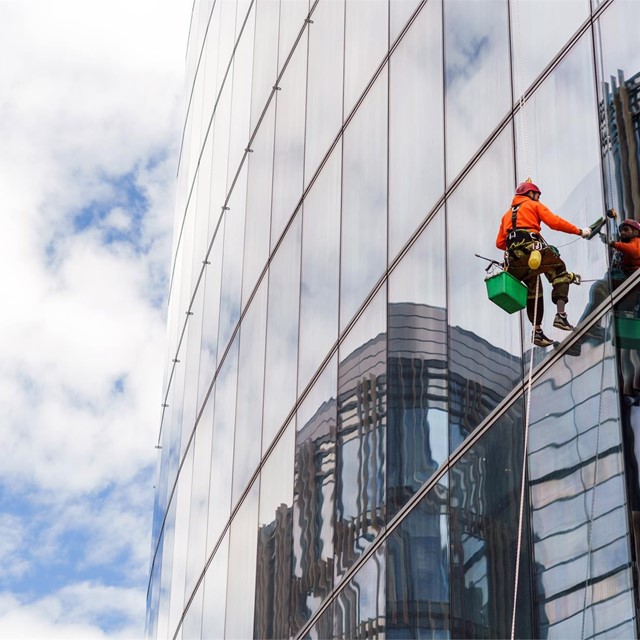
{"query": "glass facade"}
(355, 442)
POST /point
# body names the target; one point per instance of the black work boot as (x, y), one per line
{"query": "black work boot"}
(540, 340)
(561, 322)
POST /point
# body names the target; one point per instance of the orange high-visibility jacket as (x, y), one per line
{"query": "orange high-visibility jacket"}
(630, 254)
(530, 214)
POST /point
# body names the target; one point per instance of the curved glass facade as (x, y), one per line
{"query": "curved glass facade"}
(345, 413)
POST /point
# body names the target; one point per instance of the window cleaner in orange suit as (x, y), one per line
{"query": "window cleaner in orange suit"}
(628, 247)
(527, 255)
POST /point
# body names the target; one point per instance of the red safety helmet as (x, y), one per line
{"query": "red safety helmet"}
(525, 187)
(634, 224)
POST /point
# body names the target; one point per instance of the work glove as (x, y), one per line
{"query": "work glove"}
(585, 232)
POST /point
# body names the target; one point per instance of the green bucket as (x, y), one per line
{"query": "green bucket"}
(627, 332)
(507, 292)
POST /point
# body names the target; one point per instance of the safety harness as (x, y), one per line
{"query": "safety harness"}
(523, 239)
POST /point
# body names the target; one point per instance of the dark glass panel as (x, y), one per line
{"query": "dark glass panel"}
(619, 89)
(361, 438)
(314, 496)
(417, 429)
(359, 609)
(577, 492)
(417, 564)
(274, 587)
(485, 503)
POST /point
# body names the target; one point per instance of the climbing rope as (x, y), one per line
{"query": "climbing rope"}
(524, 467)
(525, 149)
(593, 495)
(521, 101)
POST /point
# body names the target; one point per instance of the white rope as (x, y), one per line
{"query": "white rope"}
(521, 101)
(524, 465)
(593, 496)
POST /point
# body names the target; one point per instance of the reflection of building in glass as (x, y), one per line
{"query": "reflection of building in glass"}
(620, 123)
(344, 412)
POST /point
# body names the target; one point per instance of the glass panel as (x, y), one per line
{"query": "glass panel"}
(416, 162)
(288, 158)
(265, 56)
(166, 548)
(484, 341)
(364, 201)
(292, 18)
(282, 334)
(478, 90)
(274, 590)
(215, 592)
(359, 609)
(221, 129)
(619, 77)
(576, 484)
(562, 155)
(485, 505)
(323, 626)
(400, 12)
(209, 344)
(366, 44)
(246, 450)
(211, 64)
(320, 270)
(230, 294)
(324, 82)
(362, 419)
(417, 430)
(242, 568)
(555, 23)
(259, 190)
(192, 624)
(417, 563)
(222, 448)
(241, 101)
(314, 496)
(197, 546)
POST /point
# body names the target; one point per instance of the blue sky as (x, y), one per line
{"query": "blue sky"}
(91, 115)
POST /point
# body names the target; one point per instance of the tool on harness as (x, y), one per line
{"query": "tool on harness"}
(502, 288)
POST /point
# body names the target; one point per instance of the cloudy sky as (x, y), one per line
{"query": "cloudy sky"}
(91, 105)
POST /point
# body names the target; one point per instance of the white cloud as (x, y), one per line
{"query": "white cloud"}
(90, 119)
(72, 612)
